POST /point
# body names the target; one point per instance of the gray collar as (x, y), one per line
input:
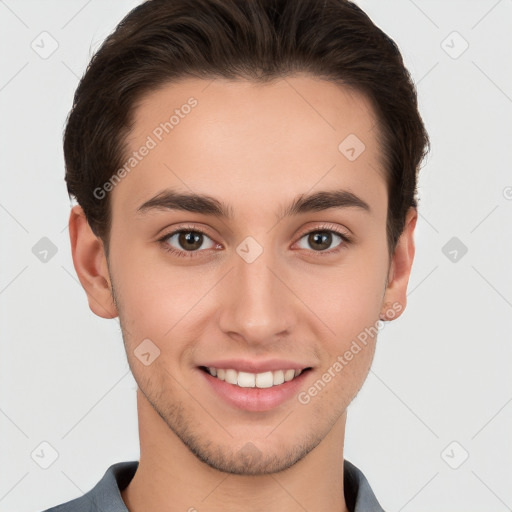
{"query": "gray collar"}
(106, 494)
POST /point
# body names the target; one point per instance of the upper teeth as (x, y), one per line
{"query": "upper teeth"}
(251, 380)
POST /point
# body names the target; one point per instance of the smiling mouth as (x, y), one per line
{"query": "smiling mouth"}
(254, 380)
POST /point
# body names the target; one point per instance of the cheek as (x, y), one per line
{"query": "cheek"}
(346, 298)
(338, 382)
(151, 301)
(160, 301)
(351, 312)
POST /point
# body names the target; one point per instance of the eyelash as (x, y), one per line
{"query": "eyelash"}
(191, 254)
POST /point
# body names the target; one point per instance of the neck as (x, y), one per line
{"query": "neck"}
(169, 474)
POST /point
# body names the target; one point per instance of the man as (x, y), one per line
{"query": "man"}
(245, 173)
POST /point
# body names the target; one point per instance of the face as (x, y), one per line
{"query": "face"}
(277, 270)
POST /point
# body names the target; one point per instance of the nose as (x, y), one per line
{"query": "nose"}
(258, 305)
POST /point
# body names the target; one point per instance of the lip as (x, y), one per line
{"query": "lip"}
(254, 399)
(245, 365)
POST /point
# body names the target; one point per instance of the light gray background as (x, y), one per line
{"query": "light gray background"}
(442, 372)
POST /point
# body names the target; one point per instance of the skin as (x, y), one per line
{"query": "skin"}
(255, 147)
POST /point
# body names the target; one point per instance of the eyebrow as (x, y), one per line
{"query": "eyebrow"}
(200, 203)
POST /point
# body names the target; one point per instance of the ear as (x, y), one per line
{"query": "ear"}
(395, 296)
(91, 265)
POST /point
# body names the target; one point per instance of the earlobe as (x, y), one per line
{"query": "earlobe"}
(395, 296)
(90, 264)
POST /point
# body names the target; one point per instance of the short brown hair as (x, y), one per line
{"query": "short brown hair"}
(161, 41)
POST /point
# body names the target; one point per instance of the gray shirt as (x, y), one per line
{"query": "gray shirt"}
(106, 495)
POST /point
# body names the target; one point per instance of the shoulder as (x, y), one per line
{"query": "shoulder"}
(106, 494)
(359, 495)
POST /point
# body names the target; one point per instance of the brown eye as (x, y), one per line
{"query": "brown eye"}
(188, 240)
(321, 240)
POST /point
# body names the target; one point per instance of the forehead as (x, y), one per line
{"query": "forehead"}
(235, 139)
